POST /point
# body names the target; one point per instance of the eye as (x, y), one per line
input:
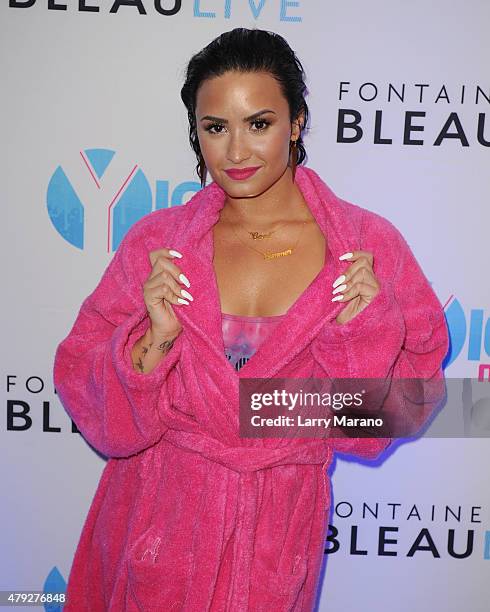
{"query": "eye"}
(210, 126)
(262, 122)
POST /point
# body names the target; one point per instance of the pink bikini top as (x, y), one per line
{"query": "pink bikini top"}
(242, 335)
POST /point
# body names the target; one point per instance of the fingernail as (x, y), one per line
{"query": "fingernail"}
(183, 278)
(181, 301)
(337, 297)
(186, 294)
(346, 256)
(341, 288)
(174, 253)
(340, 279)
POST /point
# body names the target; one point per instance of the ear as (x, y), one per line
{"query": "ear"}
(297, 125)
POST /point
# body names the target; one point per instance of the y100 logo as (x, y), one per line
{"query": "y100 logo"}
(90, 206)
(475, 329)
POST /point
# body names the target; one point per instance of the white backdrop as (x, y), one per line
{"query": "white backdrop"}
(92, 120)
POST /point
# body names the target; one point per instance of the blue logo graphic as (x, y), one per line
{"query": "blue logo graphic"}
(131, 201)
(486, 548)
(255, 8)
(477, 333)
(54, 584)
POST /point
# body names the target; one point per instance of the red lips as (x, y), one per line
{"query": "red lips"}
(243, 173)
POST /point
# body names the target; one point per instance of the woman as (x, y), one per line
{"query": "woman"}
(262, 274)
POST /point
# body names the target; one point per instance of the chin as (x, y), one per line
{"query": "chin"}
(242, 193)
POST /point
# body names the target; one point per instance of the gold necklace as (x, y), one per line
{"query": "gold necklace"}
(269, 254)
(259, 236)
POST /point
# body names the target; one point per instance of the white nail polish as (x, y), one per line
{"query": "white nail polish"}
(183, 278)
(187, 295)
(346, 256)
(174, 253)
(340, 279)
(181, 301)
(341, 288)
(337, 297)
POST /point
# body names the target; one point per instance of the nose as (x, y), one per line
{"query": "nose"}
(237, 148)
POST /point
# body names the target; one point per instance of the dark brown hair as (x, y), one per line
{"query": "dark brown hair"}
(246, 50)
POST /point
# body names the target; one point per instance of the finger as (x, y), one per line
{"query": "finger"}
(359, 288)
(363, 275)
(165, 280)
(360, 270)
(162, 262)
(162, 258)
(153, 255)
(162, 294)
(358, 254)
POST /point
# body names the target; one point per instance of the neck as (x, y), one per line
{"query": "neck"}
(282, 201)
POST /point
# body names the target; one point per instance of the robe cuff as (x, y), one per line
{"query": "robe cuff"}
(123, 340)
(367, 448)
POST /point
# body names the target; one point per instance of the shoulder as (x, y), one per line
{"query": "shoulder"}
(369, 225)
(380, 236)
(372, 226)
(131, 262)
(368, 230)
(378, 229)
(154, 229)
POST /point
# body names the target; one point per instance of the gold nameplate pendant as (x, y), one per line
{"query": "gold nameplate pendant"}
(278, 254)
(259, 236)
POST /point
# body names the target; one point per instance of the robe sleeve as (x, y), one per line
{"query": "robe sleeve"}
(114, 407)
(401, 334)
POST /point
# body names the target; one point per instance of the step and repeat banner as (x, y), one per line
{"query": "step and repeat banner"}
(95, 136)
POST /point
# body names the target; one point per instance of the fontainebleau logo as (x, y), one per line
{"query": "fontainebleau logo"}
(286, 10)
(393, 529)
(94, 203)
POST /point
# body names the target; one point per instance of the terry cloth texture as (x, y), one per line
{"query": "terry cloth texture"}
(188, 515)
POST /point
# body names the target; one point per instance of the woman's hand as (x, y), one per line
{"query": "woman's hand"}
(357, 285)
(161, 290)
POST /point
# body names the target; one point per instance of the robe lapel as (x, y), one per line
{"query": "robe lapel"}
(304, 319)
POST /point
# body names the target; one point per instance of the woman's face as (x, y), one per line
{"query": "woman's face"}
(243, 121)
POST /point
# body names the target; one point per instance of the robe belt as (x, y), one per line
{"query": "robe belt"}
(245, 459)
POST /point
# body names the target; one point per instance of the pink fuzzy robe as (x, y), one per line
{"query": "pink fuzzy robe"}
(188, 515)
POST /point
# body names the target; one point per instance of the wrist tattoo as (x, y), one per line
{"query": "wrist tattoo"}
(166, 345)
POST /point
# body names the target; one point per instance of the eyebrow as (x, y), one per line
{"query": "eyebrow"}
(254, 116)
